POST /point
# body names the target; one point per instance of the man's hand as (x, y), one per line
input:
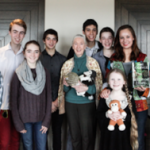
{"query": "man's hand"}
(54, 105)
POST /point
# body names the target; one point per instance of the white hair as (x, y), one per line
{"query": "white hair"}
(79, 36)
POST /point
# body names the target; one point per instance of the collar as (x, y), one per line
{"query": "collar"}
(8, 47)
(101, 53)
(45, 53)
(95, 46)
(79, 58)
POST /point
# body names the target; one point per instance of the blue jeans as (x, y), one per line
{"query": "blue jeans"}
(141, 121)
(39, 138)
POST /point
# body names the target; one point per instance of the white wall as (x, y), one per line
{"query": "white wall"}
(67, 17)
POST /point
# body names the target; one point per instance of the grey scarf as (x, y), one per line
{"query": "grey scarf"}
(26, 78)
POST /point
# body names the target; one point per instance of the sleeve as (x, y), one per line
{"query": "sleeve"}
(66, 88)
(101, 111)
(47, 118)
(70, 54)
(91, 89)
(14, 103)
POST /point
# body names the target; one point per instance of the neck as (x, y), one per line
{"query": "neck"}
(127, 53)
(117, 93)
(51, 52)
(15, 47)
(91, 44)
(31, 65)
(108, 52)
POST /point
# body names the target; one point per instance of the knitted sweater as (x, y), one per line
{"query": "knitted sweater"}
(71, 95)
(27, 107)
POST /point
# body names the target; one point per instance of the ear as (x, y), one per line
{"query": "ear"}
(9, 32)
(83, 32)
(44, 41)
(100, 40)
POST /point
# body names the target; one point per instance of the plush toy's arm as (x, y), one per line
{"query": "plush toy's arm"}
(123, 113)
(108, 112)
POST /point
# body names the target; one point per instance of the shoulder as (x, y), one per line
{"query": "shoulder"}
(141, 56)
(5, 48)
(71, 60)
(99, 45)
(61, 56)
(92, 61)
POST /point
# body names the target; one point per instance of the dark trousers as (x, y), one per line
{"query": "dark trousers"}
(57, 121)
(141, 121)
(81, 119)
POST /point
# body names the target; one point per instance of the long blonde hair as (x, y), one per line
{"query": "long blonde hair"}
(134, 127)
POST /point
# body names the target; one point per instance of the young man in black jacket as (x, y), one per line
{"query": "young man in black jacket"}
(90, 30)
(53, 61)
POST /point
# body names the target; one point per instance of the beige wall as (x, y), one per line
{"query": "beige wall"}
(67, 17)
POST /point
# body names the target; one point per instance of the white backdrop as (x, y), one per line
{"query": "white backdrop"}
(67, 17)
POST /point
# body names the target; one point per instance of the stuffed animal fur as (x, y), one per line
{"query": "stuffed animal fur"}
(88, 78)
(116, 115)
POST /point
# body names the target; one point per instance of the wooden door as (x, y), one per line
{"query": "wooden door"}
(31, 11)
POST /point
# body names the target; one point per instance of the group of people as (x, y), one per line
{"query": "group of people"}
(34, 90)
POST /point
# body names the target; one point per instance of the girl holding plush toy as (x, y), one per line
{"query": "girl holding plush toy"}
(116, 116)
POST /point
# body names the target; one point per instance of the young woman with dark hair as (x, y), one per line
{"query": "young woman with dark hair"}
(31, 98)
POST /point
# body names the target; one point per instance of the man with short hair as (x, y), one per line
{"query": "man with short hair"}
(90, 30)
(11, 57)
(53, 61)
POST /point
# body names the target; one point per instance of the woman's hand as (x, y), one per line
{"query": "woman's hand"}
(43, 129)
(141, 89)
(105, 93)
(80, 87)
(23, 131)
(64, 82)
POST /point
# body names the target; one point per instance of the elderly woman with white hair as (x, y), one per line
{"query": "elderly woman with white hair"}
(80, 111)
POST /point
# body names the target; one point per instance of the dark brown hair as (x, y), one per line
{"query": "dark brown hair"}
(106, 29)
(32, 42)
(18, 22)
(119, 54)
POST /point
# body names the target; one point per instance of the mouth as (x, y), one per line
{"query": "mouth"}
(125, 44)
(115, 85)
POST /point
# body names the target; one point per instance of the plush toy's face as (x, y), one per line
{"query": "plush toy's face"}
(114, 107)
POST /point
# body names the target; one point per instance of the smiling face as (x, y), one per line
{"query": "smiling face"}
(32, 53)
(79, 46)
(126, 39)
(50, 42)
(116, 81)
(107, 40)
(17, 34)
(90, 33)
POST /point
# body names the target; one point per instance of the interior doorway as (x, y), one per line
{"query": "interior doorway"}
(137, 14)
(31, 11)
